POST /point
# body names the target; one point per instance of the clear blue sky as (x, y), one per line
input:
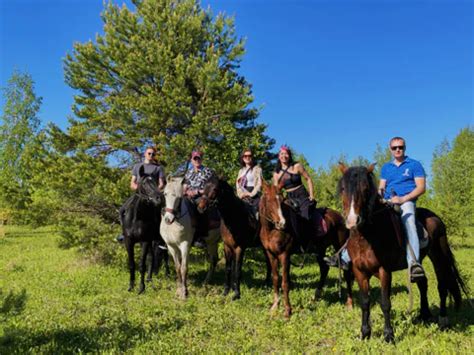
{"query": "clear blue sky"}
(333, 77)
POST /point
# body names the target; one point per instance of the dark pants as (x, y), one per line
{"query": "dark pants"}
(303, 212)
(202, 219)
(252, 202)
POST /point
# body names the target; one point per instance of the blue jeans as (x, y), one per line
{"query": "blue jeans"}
(408, 220)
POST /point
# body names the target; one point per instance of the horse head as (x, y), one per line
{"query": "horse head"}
(358, 193)
(209, 196)
(270, 205)
(148, 189)
(173, 193)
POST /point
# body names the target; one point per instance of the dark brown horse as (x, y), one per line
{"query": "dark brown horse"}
(375, 248)
(238, 229)
(279, 239)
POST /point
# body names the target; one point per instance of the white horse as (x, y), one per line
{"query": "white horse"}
(178, 230)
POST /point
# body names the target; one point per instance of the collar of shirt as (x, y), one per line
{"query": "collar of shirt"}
(406, 160)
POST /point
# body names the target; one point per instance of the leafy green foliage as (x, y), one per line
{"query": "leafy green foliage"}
(453, 181)
(19, 126)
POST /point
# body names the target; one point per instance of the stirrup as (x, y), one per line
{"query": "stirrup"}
(416, 272)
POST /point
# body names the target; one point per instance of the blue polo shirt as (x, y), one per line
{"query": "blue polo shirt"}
(401, 179)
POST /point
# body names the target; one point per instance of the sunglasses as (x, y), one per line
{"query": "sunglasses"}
(152, 154)
(247, 155)
(197, 158)
(397, 147)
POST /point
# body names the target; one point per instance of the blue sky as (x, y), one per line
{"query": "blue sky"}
(332, 77)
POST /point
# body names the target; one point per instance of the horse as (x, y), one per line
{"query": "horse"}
(238, 229)
(280, 240)
(376, 249)
(140, 224)
(177, 229)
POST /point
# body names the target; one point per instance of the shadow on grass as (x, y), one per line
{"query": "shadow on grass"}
(13, 303)
(117, 337)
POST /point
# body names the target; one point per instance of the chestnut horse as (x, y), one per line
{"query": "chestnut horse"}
(375, 248)
(279, 241)
(238, 229)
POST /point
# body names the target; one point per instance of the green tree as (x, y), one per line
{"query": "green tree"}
(164, 74)
(18, 131)
(453, 181)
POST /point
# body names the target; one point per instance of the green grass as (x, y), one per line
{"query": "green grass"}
(54, 301)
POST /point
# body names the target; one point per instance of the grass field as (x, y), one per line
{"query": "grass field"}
(54, 301)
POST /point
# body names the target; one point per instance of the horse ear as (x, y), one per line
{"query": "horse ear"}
(168, 178)
(342, 167)
(371, 167)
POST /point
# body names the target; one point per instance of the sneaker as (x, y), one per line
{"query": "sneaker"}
(199, 243)
(336, 261)
(416, 272)
(120, 238)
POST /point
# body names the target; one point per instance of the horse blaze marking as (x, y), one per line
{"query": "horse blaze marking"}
(352, 217)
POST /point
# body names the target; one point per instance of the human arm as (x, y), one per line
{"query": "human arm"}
(382, 186)
(419, 190)
(133, 183)
(257, 171)
(300, 168)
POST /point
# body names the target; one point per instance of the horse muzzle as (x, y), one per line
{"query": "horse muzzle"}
(169, 217)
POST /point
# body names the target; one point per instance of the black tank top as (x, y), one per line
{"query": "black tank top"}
(293, 181)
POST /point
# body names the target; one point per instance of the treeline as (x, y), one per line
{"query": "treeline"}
(166, 74)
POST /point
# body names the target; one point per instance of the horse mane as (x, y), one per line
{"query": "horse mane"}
(358, 182)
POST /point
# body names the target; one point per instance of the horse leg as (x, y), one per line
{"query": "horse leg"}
(363, 281)
(324, 269)
(276, 288)
(131, 263)
(268, 276)
(229, 257)
(152, 263)
(212, 254)
(385, 304)
(184, 248)
(348, 276)
(441, 275)
(285, 282)
(144, 253)
(239, 258)
(174, 251)
(425, 313)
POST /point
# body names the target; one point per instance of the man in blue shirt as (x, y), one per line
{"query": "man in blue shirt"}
(402, 181)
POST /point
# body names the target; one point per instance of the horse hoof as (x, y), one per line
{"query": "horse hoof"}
(288, 313)
(141, 290)
(130, 288)
(389, 337)
(236, 297)
(226, 292)
(317, 294)
(349, 305)
(443, 322)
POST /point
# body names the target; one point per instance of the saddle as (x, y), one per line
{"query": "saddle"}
(397, 223)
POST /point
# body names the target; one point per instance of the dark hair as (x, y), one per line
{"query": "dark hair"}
(290, 160)
(241, 158)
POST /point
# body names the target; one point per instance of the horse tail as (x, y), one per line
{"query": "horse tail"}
(447, 269)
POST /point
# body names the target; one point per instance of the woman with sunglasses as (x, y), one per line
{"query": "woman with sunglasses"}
(249, 180)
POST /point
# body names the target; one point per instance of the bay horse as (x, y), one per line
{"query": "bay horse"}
(375, 248)
(238, 230)
(141, 224)
(280, 240)
(177, 230)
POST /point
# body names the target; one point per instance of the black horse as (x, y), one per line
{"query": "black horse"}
(141, 224)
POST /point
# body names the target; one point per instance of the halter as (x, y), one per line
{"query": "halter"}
(175, 212)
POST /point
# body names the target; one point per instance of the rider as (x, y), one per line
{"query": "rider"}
(194, 180)
(152, 168)
(249, 181)
(288, 175)
(402, 181)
